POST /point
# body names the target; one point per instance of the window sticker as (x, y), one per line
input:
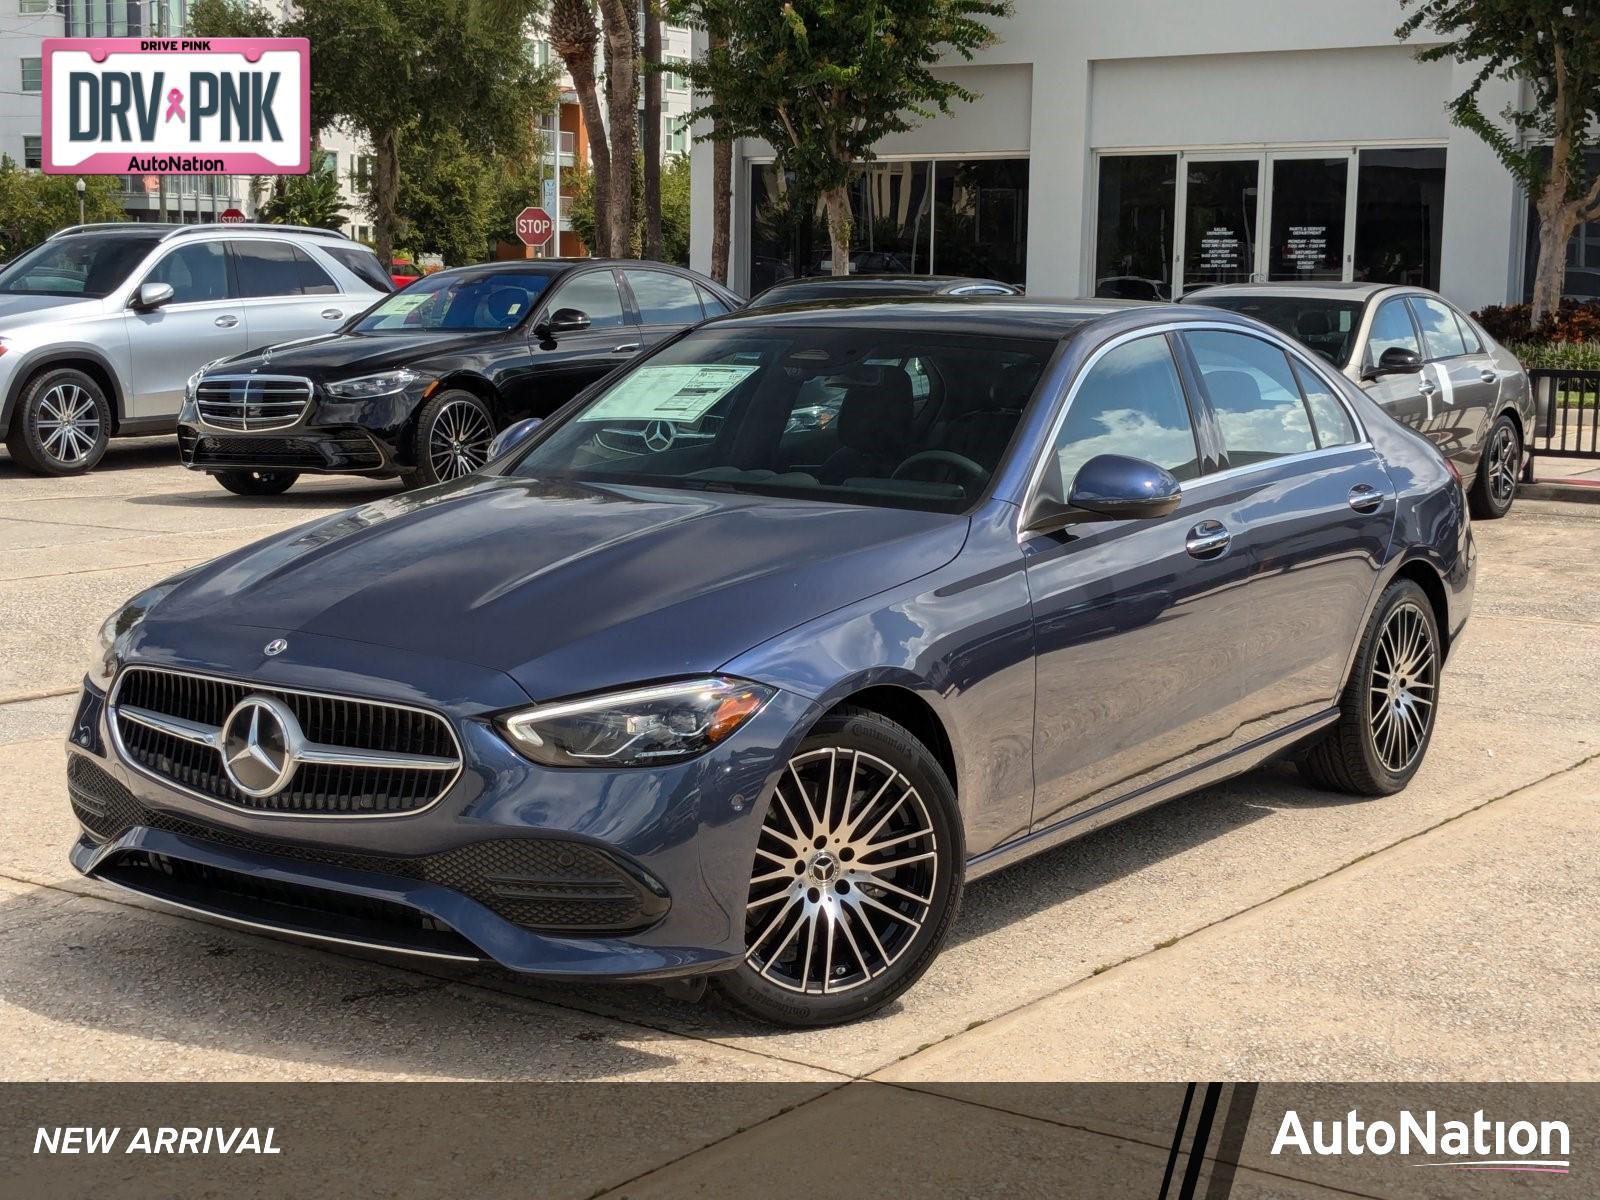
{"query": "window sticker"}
(401, 303)
(669, 393)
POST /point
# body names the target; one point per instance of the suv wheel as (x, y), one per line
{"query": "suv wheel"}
(257, 483)
(856, 878)
(61, 424)
(454, 430)
(1495, 486)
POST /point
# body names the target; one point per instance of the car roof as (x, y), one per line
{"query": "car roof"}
(999, 316)
(1315, 289)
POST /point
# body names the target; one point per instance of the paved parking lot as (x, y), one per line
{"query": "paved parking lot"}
(1259, 929)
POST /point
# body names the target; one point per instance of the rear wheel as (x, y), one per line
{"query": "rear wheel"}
(1495, 485)
(61, 425)
(257, 483)
(454, 430)
(856, 878)
(1386, 714)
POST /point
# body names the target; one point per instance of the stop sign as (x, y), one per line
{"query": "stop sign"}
(231, 216)
(534, 226)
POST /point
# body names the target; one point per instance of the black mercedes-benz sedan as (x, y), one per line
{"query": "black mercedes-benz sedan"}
(418, 385)
(747, 701)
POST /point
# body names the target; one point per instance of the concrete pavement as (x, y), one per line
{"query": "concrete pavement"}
(1259, 929)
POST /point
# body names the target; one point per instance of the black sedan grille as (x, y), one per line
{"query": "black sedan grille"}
(247, 402)
(364, 729)
(543, 884)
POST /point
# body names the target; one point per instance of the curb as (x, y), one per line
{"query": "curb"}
(1579, 493)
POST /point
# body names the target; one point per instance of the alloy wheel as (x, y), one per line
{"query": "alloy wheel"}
(458, 444)
(1503, 456)
(1401, 695)
(68, 424)
(845, 875)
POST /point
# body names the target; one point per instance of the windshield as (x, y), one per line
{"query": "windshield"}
(1326, 326)
(462, 302)
(92, 265)
(857, 416)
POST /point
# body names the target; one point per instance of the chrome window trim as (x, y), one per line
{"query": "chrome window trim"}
(128, 760)
(1042, 456)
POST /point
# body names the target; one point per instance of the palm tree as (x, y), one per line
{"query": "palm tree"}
(618, 21)
(575, 37)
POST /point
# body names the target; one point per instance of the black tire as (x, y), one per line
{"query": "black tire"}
(452, 438)
(867, 954)
(1375, 747)
(257, 483)
(1494, 487)
(61, 424)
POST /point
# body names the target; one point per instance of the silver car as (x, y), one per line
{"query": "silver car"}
(1429, 365)
(102, 325)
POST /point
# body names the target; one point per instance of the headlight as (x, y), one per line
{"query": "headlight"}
(192, 384)
(644, 727)
(115, 629)
(367, 386)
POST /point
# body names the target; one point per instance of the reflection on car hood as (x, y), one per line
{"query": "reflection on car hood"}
(342, 355)
(568, 587)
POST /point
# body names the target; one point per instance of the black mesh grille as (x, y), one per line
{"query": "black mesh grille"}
(315, 788)
(544, 884)
(347, 450)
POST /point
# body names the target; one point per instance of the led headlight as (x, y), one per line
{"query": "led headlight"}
(115, 629)
(365, 387)
(644, 727)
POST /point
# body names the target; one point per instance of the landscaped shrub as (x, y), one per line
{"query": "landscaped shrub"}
(1572, 322)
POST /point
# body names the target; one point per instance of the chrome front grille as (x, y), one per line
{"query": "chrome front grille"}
(252, 402)
(341, 757)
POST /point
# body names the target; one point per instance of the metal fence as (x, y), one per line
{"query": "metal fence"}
(1568, 404)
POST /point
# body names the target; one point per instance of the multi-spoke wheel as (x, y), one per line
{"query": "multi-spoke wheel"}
(1387, 711)
(855, 879)
(61, 425)
(1496, 484)
(454, 430)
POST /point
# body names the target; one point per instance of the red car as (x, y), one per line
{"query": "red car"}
(403, 273)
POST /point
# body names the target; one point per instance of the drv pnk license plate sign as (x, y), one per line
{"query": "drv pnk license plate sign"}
(177, 106)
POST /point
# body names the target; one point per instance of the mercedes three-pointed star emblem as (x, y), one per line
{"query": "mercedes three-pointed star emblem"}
(261, 743)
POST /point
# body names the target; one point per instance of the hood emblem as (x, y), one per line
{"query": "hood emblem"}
(261, 743)
(275, 647)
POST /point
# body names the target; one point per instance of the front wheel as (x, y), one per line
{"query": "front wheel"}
(257, 483)
(454, 431)
(856, 878)
(1495, 486)
(61, 425)
(1386, 714)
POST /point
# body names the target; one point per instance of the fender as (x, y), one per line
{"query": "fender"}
(65, 356)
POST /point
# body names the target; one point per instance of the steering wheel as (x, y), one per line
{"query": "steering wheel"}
(977, 473)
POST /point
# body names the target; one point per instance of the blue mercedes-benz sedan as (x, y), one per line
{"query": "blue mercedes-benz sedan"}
(743, 663)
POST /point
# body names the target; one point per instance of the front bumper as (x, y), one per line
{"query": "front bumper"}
(664, 854)
(332, 437)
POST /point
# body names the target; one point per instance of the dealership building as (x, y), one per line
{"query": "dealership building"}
(1143, 148)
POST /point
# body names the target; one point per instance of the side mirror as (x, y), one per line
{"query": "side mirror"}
(512, 436)
(1109, 487)
(563, 320)
(153, 295)
(1396, 360)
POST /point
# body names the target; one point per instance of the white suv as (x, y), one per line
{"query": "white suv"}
(102, 325)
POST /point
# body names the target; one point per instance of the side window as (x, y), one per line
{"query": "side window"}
(1333, 427)
(664, 299)
(363, 264)
(1254, 394)
(713, 307)
(197, 272)
(593, 293)
(1439, 328)
(314, 281)
(267, 269)
(1391, 326)
(1130, 402)
(1469, 335)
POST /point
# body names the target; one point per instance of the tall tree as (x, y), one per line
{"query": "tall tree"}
(618, 22)
(721, 194)
(576, 38)
(824, 82)
(1552, 48)
(652, 129)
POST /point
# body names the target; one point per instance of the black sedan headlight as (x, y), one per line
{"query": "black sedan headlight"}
(641, 727)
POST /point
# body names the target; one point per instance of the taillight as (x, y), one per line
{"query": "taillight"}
(1456, 471)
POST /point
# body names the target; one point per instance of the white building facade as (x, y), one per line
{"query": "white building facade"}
(1149, 147)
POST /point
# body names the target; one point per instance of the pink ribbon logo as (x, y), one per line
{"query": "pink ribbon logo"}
(175, 105)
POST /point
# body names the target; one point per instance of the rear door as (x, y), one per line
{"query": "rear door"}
(566, 363)
(1467, 383)
(666, 303)
(286, 294)
(203, 320)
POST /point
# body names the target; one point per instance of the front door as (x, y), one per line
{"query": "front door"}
(1466, 385)
(1408, 397)
(566, 363)
(203, 321)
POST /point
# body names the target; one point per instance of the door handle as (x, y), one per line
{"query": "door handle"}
(1209, 539)
(1489, 376)
(625, 348)
(1427, 387)
(331, 314)
(227, 322)
(1365, 498)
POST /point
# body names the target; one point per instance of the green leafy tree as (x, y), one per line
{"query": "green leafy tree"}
(33, 206)
(311, 199)
(1552, 49)
(673, 211)
(456, 204)
(824, 81)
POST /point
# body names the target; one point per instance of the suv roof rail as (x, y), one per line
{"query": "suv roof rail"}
(170, 230)
(95, 225)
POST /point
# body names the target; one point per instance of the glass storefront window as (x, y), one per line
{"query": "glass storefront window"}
(981, 218)
(1583, 254)
(1400, 216)
(891, 205)
(1219, 243)
(1134, 237)
(1307, 218)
